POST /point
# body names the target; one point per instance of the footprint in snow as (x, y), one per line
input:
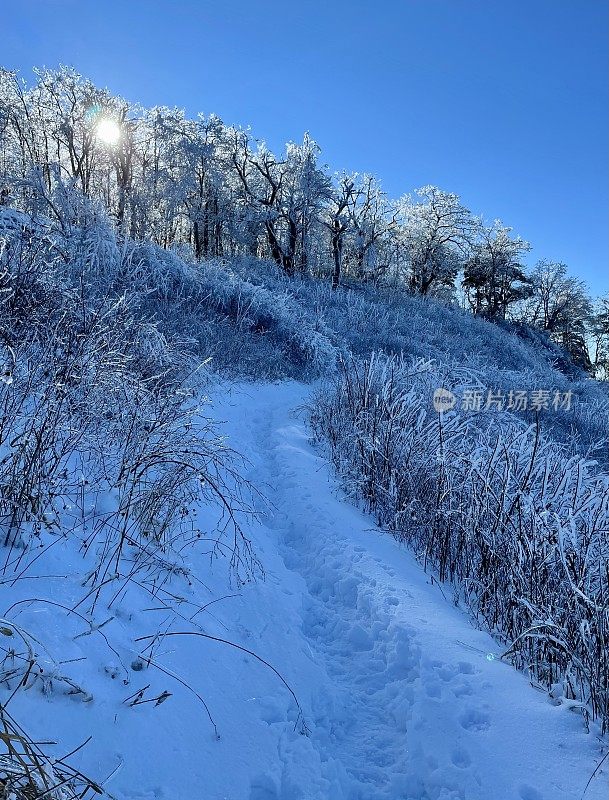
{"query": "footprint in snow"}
(475, 720)
(462, 690)
(461, 758)
(433, 690)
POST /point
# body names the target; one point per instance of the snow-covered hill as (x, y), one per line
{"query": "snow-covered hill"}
(345, 673)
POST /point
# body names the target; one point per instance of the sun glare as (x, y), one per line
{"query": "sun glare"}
(108, 131)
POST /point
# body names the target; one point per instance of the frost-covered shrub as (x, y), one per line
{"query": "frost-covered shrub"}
(91, 383)
(493, 505)
(239, 326)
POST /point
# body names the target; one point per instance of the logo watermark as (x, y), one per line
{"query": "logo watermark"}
(495, 400)
(444, 400)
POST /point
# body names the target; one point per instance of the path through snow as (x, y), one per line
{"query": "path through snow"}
(414, 705)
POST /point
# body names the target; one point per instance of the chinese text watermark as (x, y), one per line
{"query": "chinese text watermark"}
(496, 400)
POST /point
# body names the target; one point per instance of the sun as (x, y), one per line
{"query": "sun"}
(108, 131)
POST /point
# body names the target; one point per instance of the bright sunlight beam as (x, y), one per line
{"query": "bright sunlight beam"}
(108, 131)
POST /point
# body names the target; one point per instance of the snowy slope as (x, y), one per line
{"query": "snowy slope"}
(401, 698)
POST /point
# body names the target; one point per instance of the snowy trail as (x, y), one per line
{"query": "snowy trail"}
(396, 688)
(414, 707)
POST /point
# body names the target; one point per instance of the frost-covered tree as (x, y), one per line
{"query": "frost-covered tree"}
(559, 304)
(54, 123)
(359, 218)
(493, 276)
(283, 195)
(371, 219)
(599, 333)
(203, 188)
(306, 190)
(437, 231)
(337, 220)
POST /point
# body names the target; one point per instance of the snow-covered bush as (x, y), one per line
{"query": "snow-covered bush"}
(492, 504)
(90, 376)
(102, 434)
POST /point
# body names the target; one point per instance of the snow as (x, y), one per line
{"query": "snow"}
(401, 697)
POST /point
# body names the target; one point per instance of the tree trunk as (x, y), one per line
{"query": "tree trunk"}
(337, 252)
(276, 251)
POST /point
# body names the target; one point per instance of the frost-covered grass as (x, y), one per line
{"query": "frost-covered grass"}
(366, 319)
(489, 502)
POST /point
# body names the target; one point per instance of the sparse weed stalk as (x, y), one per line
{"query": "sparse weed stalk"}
(26, 773)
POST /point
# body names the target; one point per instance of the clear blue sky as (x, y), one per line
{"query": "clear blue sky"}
(503, 101)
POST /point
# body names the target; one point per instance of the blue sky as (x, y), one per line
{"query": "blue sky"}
(505, 103)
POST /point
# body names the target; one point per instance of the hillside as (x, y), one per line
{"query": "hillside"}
(280, 519)
(132, 518)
